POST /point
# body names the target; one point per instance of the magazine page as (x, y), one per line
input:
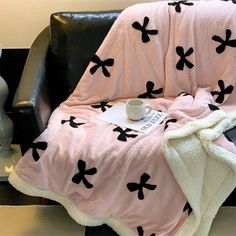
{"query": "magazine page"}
(117, 115)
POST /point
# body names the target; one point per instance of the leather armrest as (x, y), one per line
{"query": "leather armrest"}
(31, 103)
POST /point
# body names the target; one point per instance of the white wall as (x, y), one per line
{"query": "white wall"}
(22, 20)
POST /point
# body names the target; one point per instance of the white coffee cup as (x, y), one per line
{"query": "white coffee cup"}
(137, 109)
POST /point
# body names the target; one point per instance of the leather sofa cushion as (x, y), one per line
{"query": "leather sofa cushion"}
(74, 39)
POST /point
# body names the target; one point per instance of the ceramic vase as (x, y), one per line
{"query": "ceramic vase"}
(6, 124)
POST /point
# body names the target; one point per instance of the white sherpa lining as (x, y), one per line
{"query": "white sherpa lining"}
(72, 210)
(200, 190)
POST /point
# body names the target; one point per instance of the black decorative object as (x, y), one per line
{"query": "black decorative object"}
(123, 134)
(77, 178)
(233, 1)
(168, 121)
(223, 91)
(139, 186)
(188, 208)
(102, 105)
(145, 32)
(103, 64)
(185, 94)
(149, 94)
(213, 107)
(72, 123)
(183, 61)
(38, 145)
(178, 5)
(224, 43)
(141, 231)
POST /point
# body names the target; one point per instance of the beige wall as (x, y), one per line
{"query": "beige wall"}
(22, 20)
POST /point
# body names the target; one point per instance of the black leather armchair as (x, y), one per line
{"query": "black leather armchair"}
(55, 64)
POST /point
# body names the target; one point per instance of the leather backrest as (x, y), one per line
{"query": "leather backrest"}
(74, 39)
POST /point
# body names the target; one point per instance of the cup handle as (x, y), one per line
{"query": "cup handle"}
(148, 109)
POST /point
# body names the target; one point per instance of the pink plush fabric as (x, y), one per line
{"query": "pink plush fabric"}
(180, 58)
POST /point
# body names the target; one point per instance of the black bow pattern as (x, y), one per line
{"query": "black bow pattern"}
(102, 105)
(224, 43)
(38, 145)
(123, 134)
(168, 121)
(141, 231)
(223, 91)
(185, 94)
(145, 32)
(150, 91)
(103, 64)
(233, 1)
(139, 186)
(183, 60)
(188, 208)
(77, 178)
(71, 122)
(213, 107)
(178, 6)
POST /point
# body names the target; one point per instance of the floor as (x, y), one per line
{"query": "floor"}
(12, 197)
(38, 220)
(224, 223)
(31, 209)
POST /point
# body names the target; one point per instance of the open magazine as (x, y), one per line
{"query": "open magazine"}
(117, 115)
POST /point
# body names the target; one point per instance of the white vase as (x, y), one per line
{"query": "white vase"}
(6, 124)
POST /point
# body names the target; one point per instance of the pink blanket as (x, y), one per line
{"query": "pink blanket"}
(178, 56)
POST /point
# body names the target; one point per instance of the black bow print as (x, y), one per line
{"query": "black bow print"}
(188, 207)
(103, 64)
(177, 5)
(233, 1)
(168, 121)
(213, 107)
(38, 145)
(102, 105)
(185, 94)
(139, 186)
(223, 91)
(77, 178)
(72, 123)
(145, 32)
(141, 232)
(123, 134)
(183, 60)
(163, 120)
(150, 91)
(224, 43)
